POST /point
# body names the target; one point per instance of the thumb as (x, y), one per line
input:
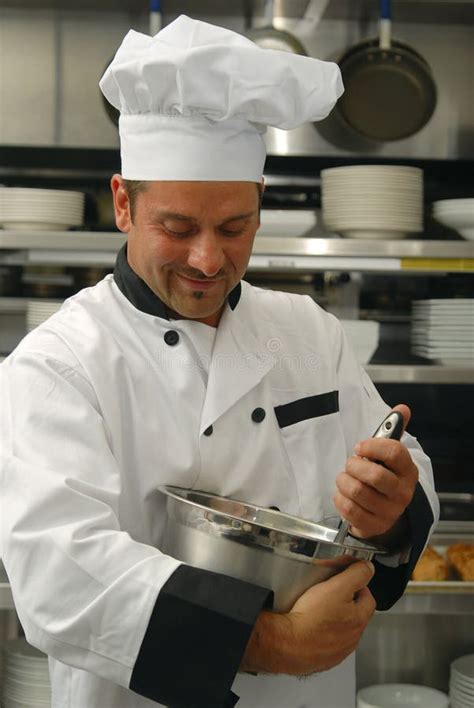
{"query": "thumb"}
(405, 411)
(355, 577)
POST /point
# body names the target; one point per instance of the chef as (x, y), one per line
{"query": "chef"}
(175, 370)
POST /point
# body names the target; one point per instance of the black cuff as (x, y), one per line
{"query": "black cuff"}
(388, 584)
(196, 637)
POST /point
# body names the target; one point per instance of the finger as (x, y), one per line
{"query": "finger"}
(370, 473)
(358, 491)
(365, 603)
(363, 523)
(351, 580)
(392, 454)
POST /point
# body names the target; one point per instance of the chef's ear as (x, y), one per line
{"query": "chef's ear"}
(123, 218)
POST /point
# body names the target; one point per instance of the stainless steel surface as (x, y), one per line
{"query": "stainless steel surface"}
(416, 640)
(270, 37)
(268, 548)
(413, 648)
(102, 241)
(387, 373)
(64, 79)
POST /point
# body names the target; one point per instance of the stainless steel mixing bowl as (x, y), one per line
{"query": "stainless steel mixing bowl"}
(262, 546)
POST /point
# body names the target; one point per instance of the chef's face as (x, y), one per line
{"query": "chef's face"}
(190, 241)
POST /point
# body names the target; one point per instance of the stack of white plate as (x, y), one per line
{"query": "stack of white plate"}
(26, 677)
(461, 684)
(363, 336)
(24, 209)
(458, 214)
(373, 201)
(401, 695)
(37, 311)
(443, 330)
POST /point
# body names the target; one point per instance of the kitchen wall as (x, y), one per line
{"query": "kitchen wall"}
(51, 60)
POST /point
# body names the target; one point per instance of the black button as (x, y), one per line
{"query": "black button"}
(258, 415)
(208, 431)
(171, 337)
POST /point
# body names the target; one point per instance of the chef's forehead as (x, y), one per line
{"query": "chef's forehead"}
(186, 196)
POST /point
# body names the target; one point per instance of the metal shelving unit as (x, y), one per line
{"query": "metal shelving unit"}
(306, 254)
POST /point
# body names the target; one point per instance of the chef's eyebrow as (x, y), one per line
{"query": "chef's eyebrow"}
(159, 215)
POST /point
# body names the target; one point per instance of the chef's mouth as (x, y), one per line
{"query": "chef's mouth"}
(199, 283)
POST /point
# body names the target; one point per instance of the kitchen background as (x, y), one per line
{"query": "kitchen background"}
(55, 133)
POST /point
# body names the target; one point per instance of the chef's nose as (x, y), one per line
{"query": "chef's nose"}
(206, 254)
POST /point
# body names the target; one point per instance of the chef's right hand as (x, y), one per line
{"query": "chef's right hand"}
(323, 627)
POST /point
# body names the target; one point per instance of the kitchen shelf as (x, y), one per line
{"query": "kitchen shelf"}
(416, 374)
(306, 254)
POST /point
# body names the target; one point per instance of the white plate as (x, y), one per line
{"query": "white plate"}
(459, 349)
(402, 170)
(373, 234)
(464, 666)
(15, 211)
(459, 701)
(464, 690)
(362, 210)
(351, 219)
(435, 302)
(400, 695)
(34, 226)
(34, 191)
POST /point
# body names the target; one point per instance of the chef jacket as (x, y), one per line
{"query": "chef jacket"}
(107, 400)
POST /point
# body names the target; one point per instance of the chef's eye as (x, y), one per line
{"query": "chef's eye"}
(231, 232)
(178, 229)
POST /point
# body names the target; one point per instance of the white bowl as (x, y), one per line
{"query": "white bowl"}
(286, 222)
(454, 204)
(463, 223)
(401, 695)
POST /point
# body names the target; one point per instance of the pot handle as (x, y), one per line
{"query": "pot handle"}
(155, 17)
(385, 24)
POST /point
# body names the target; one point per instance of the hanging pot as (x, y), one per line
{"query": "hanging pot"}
(389, 93)
(155, 24)
(269, 37)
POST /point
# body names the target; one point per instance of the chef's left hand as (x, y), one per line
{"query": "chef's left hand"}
(372, 496)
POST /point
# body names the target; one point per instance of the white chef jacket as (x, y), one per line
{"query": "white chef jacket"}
(107, 400)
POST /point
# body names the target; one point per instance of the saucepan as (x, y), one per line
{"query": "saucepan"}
(269, 37)
(390, 92)
(266, 547)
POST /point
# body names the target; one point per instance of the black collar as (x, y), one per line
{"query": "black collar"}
(142, 297)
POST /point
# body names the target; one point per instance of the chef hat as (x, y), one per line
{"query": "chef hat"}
(195, 101)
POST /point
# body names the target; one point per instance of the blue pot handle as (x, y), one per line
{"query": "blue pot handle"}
(155, 5)
(385, 10)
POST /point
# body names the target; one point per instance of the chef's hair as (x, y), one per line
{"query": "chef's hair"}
(134, 187)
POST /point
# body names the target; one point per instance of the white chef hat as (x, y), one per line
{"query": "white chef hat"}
(195, 101)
